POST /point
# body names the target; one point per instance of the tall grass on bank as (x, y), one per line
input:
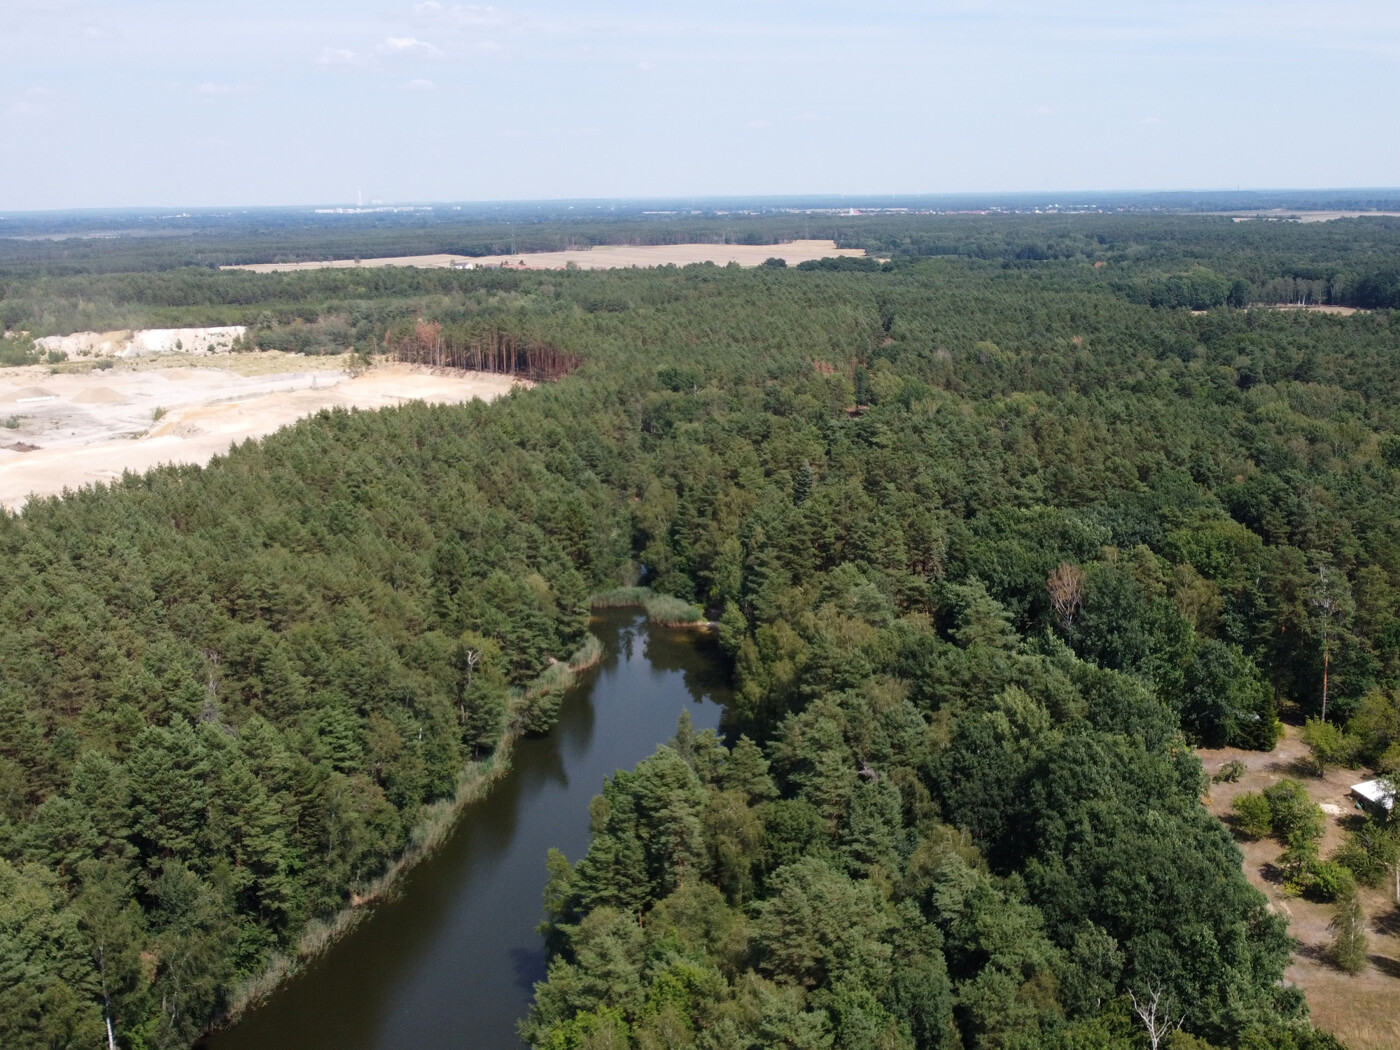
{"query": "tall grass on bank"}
(536, 708)
(662, 609)
(533, 709)
(428, 834)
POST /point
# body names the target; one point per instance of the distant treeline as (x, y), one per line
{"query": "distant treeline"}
(1186, 262)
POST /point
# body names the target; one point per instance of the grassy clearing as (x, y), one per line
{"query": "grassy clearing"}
(1358, 1009)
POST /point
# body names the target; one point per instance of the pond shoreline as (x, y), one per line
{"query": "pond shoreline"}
(439, 825)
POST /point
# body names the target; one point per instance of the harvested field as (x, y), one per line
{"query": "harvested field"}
(1359, 1010)
(83, 427)
(603, 257)
(1309, 216)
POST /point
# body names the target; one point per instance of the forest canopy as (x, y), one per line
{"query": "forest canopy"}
(993, 533)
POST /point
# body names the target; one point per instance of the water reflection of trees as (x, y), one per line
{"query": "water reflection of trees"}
(696, 655)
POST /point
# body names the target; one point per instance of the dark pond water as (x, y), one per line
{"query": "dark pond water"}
(451, 962)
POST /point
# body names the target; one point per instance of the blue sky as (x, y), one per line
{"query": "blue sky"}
(247, 102)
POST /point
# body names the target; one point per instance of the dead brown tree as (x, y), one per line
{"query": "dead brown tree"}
(1065, 585)
(480, 351)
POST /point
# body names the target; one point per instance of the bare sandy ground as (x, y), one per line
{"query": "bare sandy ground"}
(80, 428)
(1308, 216)
(1308, 308)
(1359, 1010)
(603, 257)
(1312, 308)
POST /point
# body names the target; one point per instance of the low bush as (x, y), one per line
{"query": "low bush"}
(1326, 880)
(1230, 772)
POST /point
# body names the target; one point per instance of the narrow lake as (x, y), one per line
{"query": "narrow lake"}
(450, 964)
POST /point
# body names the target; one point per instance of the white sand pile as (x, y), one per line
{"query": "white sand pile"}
(29, 393)
(183, 340)
(218, 340)
(85, 344)
(98, 395)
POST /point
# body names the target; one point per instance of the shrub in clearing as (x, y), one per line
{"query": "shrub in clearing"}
(1252, 815)
(1295, 817)
(1328, 881)
(1230, 772)
(1348, 926)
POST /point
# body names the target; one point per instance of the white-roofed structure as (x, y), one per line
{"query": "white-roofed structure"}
(1375, 794)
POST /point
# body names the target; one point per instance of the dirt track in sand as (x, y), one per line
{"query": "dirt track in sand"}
(65, 431)
(603, 257)
(1359, 1010)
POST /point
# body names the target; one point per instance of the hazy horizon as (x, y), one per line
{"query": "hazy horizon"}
(1380, 199)
(247, 103)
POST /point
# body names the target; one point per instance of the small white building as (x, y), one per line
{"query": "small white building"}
(1374, 794)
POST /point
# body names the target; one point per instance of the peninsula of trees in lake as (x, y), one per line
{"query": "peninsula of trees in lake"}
(996, 526)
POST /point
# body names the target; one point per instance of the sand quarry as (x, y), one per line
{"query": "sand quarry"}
(1360, 1010)
(145, 342)
(66, 430)
(603, 257)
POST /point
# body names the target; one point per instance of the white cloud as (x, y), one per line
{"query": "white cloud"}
(408, 45)
(758, 125)
(460, 16)
(44, 6)
(418, 84)
(1152, 120)
(36, 102)
(646, 67)
(337, 56)
(211, 88)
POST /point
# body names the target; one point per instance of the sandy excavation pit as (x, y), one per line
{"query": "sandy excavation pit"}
(143, 343)
(82, 428)
(603, 257)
